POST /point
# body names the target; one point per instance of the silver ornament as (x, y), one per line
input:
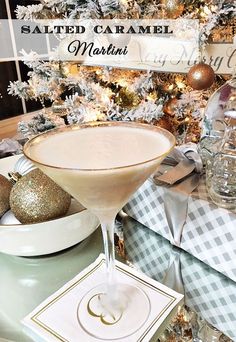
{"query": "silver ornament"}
(9, 219)
(24, 166)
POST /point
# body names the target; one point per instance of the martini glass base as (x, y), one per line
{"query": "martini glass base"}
(110, 318)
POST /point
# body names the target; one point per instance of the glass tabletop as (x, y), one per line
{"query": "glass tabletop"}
(26, 282)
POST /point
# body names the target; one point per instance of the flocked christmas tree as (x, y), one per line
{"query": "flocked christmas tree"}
(84, 93)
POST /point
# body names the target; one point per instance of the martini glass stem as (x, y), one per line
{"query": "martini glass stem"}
(109, 248)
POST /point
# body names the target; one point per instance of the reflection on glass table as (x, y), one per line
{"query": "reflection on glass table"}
(208, 293)
(26, 282)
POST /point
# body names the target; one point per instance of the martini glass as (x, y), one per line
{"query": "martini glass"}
(102, 164)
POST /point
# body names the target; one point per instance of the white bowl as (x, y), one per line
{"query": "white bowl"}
(47, 237)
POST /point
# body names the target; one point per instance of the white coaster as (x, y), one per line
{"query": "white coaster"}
(58, 317)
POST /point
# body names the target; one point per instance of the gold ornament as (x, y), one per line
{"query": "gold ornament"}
(170, 106)
(5, 189)
(173, 8)
(36, 198)
(127, 99)
(201, 76)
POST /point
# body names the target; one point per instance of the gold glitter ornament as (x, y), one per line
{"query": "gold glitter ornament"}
(36, 198)
(5, 189)
(201, 76)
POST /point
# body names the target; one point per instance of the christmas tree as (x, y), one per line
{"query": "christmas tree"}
(80, 93)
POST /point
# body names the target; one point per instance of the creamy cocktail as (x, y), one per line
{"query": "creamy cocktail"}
(102, 165)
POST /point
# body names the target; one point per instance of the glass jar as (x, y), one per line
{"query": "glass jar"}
(221, 166)
(215, 109)
(211, 334)
(214, 118)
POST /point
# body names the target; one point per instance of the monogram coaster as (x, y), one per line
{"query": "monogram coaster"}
(66, 314)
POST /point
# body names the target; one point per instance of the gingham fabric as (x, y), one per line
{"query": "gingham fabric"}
(201, 192)
(209, 293)
(209, 233)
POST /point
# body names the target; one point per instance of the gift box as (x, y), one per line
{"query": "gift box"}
(191, 222)
(208, 293)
